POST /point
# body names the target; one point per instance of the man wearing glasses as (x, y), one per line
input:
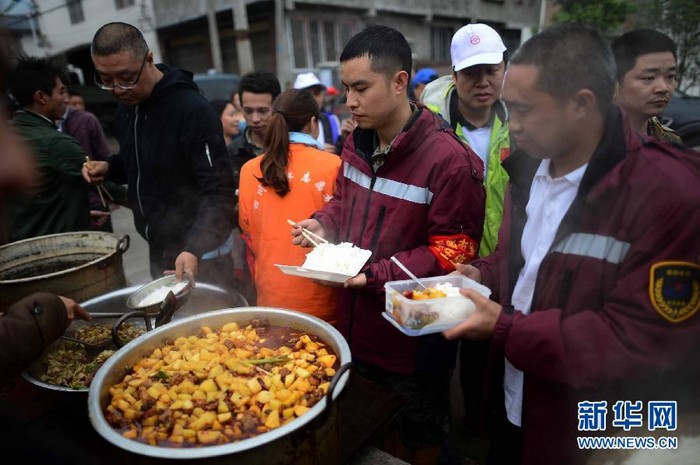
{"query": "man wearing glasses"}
(172, 156)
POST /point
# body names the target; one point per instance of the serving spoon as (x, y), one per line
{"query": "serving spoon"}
(408, 272)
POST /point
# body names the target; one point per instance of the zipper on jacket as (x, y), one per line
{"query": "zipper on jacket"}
(352, 210)
(366, 212)
(138, 170)
(353, 295)
(378, 229)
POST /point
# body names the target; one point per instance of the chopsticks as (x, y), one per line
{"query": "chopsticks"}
(308, 234)
(100, 188)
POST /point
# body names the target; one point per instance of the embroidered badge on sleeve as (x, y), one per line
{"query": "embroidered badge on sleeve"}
(674, 289)
(457, 248)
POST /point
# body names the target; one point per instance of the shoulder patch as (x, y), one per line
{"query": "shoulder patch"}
(674, 289)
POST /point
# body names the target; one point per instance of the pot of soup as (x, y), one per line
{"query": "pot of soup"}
(79, 265)
(254, 385)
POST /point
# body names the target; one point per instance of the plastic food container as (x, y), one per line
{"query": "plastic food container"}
(429, 315)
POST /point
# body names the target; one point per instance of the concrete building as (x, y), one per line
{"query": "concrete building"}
(283, 36)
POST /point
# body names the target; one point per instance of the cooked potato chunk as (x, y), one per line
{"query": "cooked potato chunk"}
(220, 386)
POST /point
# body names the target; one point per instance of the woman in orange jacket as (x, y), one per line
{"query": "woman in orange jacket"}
(291, 180)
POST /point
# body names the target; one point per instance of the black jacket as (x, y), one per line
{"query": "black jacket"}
(173, 157)
(239, 152)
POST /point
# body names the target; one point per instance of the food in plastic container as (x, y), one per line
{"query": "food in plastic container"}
(416, 311)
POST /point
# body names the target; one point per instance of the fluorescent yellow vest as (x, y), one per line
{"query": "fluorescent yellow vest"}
(436, 97)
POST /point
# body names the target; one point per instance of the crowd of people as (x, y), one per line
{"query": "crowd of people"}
(543, 173)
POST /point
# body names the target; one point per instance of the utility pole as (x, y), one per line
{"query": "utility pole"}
(241, 32)
(215, 45)
(282, 58)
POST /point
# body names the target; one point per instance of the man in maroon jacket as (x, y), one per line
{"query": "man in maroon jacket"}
(596, 276)
(408, 188)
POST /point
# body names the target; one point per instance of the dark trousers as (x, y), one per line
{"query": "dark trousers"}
(506, 443)
(473, 356)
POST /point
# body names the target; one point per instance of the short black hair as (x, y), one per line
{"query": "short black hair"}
(629, 46)
(117, 37)
(387, 49)
(74, 93)
(31, 74)
(570, 57)
(259, 82)
(219, 105)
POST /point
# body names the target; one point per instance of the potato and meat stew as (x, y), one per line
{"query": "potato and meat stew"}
(221, 386)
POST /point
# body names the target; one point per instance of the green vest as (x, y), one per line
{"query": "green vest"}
(436, 96)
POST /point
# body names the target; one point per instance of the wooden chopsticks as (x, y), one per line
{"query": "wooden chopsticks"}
(308, 234)
(100, 188)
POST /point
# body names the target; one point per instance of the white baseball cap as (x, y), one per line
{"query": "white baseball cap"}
(476, 44)
(306, 80)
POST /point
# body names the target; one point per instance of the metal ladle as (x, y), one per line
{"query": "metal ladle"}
(164, 316)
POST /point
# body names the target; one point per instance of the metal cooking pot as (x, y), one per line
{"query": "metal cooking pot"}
(309, 439)
(79, 265)
(203, 298)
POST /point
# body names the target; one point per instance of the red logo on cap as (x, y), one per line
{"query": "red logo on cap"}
(474, 40)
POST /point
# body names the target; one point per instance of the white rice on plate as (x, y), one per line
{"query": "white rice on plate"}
(158, 295)
(343, 258)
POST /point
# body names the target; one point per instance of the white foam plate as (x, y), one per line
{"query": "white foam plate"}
(427, 329)
(314, 274)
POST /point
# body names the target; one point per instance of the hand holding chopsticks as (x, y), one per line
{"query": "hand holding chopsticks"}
(102, 190)
(315, 239)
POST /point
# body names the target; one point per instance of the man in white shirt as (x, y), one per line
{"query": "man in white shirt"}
(596, 278)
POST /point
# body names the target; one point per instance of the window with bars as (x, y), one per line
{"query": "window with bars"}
(440, 40)
(75, 11)
(318, 41)
(121, 4)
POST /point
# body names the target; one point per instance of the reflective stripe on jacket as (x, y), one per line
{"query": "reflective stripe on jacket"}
(595, 331)
(429, 186)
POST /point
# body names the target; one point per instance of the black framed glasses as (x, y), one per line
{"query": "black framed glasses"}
(124, 85)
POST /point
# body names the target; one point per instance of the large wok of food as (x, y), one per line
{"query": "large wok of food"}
(218, 383)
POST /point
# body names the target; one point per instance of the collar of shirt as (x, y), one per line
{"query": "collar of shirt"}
(257, 150)
(379, 155)
(574, 177)
(456, 116)
(63, 119)
(39, 115)
(303, 138)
